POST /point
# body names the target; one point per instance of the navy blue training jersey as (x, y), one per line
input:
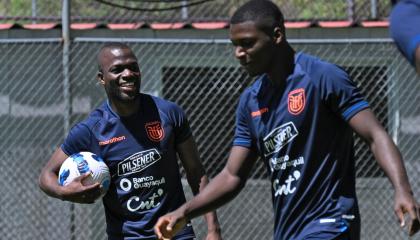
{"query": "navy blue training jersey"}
(405, 27)
(302, 134)
(140, 153)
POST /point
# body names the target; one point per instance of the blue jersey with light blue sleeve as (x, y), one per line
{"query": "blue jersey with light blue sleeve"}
(404, 27)
(140, 153)
(302, 134)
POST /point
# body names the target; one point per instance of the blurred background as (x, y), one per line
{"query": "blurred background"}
(47, 78)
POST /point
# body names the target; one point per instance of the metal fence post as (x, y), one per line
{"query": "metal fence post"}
(66, 62)
(184, 10)
(373, 9)
(65, 22)
(350, 10)
(34, 13)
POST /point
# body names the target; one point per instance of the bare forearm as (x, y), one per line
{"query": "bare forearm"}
(219, 191)
(197, 186)
(390, 160)
(210, 217)
(48, 184)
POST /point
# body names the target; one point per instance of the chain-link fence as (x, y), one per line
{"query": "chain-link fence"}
(203, 77)
(123, 11)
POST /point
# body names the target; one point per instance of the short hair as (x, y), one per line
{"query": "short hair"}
(264, 13)
(111, 45)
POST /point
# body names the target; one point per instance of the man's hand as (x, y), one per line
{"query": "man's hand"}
(77, 192)
(168, 225)
(405, 203)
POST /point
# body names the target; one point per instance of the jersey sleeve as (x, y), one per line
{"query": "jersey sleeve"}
(243, 135)
(182, 128)
(341, 94)
(78, 139)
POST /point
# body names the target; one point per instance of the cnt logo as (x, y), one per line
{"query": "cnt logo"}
(278, 138)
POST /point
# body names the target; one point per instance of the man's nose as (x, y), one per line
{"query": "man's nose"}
(239, 52)
(127, 73)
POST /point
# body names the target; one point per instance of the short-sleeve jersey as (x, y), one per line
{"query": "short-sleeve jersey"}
(140, 153)
(404, 27)
(302, 134)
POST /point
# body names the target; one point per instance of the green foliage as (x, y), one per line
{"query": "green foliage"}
(213, 10)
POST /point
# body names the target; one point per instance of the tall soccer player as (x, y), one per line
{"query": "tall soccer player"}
(125, 129)
(405, 29)
(299, 117)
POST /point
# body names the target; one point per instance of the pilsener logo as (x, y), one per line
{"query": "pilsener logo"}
(138, 162)
(279, 137)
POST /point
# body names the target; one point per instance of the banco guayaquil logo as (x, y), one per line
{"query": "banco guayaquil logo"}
(279, 137)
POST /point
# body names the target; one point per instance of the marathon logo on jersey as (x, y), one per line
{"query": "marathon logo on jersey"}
(259, 112)
(112, 140)
(279, 137)
(138, 162)
(296, 101)
(155, 131)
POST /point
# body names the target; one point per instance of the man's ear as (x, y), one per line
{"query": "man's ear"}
(278, 35)
(100, 77)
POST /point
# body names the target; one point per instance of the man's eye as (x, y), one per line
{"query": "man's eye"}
(247, 44)
(135, 69)
(115, 70)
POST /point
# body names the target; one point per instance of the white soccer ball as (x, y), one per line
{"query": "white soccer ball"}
(81, 163)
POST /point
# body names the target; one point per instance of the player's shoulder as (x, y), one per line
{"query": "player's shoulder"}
(314, 65)
(96, 116)
(164, 105)
(159, 101)
(319, 69)
(255, 87)
(252, 92)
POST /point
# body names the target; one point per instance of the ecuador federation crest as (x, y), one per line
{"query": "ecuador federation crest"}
(296, 101)
(155, 131)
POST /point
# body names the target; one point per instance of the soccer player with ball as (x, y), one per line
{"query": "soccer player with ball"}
(299, 117)
(138, 137)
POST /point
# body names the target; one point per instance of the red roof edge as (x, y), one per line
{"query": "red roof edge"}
(129, 26)
(85, 26)
(210, 25)
(384, 23)
(336, 24)
(167, 26)
(197, 25)
(41, 26)
(4, 26)
(304, 24)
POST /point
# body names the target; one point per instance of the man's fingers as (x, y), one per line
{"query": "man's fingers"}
(414, 226)
(170, 225)
(158, 224)
(93, 186)
(400, 214)
(413, 213)
(160, 228)
(85, 175)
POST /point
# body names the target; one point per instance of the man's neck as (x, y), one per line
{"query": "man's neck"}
(283, 66)
(125, 109)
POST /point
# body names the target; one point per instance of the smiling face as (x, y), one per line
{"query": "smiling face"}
(119, 74)
(253, 47)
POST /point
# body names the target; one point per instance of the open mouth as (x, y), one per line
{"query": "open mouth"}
(128, 86)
